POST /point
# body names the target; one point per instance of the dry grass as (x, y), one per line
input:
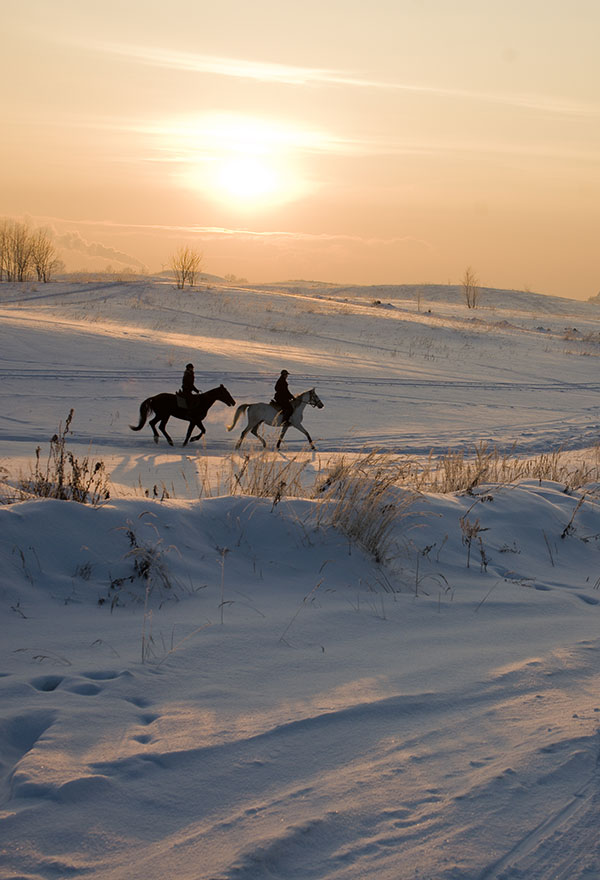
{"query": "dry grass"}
(62, 475)
(262, 475)
(364, 499)
(366, 496)
(459, 472)
(8, 494)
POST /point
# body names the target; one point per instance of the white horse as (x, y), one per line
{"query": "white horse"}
(270, 415)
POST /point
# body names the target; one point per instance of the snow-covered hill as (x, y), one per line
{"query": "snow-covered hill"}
(218, 685)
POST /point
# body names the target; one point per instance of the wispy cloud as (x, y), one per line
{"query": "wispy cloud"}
(207, 233)
(263, 71)
(271, 72)
(180, 143)
(194, 140)
(215, 132)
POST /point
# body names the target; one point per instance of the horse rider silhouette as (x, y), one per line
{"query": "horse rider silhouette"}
(283, 397)
(188, 385)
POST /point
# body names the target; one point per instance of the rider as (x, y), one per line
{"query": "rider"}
(188, 385)
(283, 397)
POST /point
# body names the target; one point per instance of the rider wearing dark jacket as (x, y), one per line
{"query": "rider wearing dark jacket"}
(283, 396)
(188, 385)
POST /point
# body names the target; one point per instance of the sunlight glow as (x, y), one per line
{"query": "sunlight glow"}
(242, 161)
(247, 177)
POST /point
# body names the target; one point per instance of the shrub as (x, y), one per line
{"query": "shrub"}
(470, 288)
(186, 264)
(364, 500)
(63, 475)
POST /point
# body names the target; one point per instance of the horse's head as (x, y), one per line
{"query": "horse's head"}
(314, 399)
(225, 396)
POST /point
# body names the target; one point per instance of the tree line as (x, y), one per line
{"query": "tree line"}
(26, 253)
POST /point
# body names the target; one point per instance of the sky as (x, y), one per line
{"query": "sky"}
(395, 142)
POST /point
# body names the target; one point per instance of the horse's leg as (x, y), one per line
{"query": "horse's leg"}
(306, 434)
(163, 427)
(300, 428)
(282, 435)
(201, 428)
(256, 434)
(243, 434)
(153, 422)
(188, 433)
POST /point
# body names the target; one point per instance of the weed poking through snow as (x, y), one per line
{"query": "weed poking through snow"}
(150, 567)
(63, 475)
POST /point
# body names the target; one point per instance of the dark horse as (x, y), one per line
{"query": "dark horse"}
(165, 405)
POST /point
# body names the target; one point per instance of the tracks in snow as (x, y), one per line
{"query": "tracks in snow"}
(563, 846)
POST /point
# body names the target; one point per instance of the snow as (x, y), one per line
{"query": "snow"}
(272, 700)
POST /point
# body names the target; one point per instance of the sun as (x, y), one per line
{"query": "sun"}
(241, 162)
(247, 178)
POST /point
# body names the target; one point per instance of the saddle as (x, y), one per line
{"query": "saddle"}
(279, 419)
(182, 402)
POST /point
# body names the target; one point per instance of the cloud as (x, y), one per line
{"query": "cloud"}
(217, 132)
(272, 72)
(263, 71)
(208, 233)
(74, 241)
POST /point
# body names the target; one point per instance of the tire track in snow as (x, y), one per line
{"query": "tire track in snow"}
(564, 846)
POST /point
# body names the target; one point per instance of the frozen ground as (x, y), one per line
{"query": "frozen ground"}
(271, 702)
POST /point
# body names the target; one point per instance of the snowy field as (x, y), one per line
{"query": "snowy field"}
(202, 684)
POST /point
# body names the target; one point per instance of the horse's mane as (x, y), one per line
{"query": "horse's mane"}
(302, 393)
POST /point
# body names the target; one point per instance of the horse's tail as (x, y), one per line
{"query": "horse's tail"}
(145, 409)
(241, 409)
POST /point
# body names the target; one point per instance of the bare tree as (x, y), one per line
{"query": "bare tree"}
(186, 264)
(4, 250)
(43, 254)
(9, 267)
(470, 288)
(19, 251)
(22, 251)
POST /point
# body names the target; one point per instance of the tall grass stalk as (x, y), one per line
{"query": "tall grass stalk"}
(457, 471)
(364, 499)
(267, 476)
(366, 495)
(262, 475)
(63, 475)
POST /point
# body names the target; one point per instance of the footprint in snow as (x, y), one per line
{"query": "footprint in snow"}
(46, 683)
(143, 738)
(85, 689)
(104, 675)
(140, 702)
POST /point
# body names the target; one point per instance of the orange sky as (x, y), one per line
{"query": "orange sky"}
(392, 142)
